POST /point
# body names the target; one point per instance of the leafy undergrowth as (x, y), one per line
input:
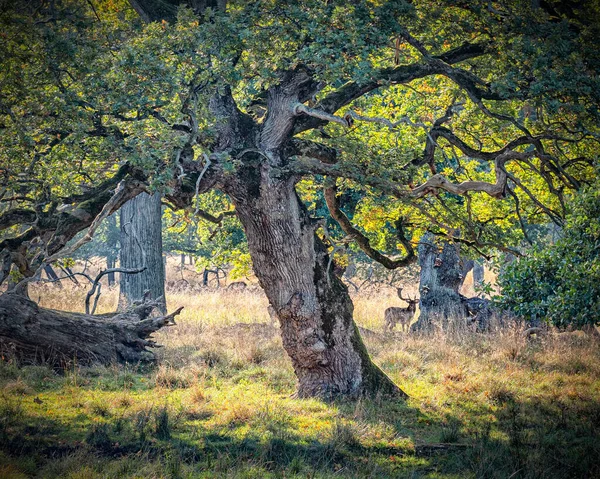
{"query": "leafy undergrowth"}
(219, 404)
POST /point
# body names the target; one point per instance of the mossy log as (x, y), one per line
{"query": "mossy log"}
(32, 334)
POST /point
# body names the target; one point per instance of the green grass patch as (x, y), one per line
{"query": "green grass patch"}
(221, 404)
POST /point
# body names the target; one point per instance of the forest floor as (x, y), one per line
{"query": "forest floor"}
(219, 404)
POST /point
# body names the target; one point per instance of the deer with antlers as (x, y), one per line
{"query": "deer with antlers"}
(403, 316)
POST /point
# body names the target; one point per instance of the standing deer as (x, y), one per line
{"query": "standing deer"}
(403, 316)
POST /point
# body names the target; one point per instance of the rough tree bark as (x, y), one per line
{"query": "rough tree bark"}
(441, 278)
(111, 263)
(312, 303)
(290, 261)
(141, 245)
(32, 334)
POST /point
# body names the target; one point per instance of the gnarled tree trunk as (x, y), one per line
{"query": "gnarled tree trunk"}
(442, 275)
(32, 334)
(441, 278)
(312, 303)
(289, 260)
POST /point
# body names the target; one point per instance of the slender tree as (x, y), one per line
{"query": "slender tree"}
(112, 244)
(141, 246)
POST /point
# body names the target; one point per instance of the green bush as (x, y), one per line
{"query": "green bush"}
(560, 283)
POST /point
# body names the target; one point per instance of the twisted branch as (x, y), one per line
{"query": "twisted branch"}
(362, 241)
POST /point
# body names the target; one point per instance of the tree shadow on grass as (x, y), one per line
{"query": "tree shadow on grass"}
(538, 437)
(543, 437)
(280, 451)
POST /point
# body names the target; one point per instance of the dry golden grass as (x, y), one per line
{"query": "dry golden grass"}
(222, 391)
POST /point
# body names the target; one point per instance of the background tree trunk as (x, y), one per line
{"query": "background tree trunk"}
(50, 273)
(311, 302)
(440, 281)
(141, 245)
(111, 262)
(467, 265)
(112, 239)
(478, 273)
(33, 334)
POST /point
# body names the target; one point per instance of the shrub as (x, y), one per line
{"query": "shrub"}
(560, 283)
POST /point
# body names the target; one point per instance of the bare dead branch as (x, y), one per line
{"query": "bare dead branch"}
(309, 165)
(495, 190)
(320, 114)
(350, 116)
(97, 286)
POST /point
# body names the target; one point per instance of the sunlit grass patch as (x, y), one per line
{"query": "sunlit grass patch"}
(219, 403)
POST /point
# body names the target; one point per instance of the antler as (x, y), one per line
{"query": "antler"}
(408, 299)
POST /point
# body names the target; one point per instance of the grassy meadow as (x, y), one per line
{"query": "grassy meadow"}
(219, 404)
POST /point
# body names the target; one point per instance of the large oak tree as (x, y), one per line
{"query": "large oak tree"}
(434, 109)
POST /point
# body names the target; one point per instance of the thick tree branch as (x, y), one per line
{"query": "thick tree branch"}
(476, 244)
(391, 76)
(124, 191)
(466, 51)
(56, 226)
(231, 124)
(495, 190)
(321, 115)
(308, 165)
(304, 164)
(16, 216)
(350, 116)
(311, 149)
(361, 240)
(295, 88)
(205, 215)
(328, 156)
(447, 134)
(469, 82)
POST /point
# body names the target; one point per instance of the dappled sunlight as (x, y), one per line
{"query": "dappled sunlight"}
(221, 399)
(307, 239)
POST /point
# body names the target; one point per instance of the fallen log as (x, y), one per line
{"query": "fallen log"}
(31, 334)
